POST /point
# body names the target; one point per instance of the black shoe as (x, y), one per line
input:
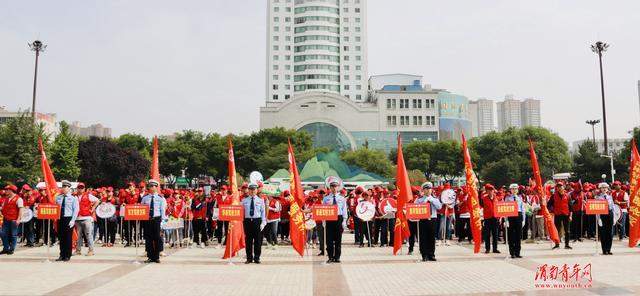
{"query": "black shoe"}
(256, 261)
(66, 259)
(329, 261)
(10, 253)
(60, 259)
(486, 251)
(336, 260)
(29, 246)
(568, 247)
(156, 261)
(518, 256)
(321, 254)
(496, 251)
(555, 247)
(149, 261)
(579, 239)
(248, 261)
(424, 259)
(361, 246)
(513, 256)
(127, 245)
(4, 252)
(432, 259)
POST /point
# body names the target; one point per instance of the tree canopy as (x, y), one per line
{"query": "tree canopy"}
(374, 161)
(103, 163)
(19, 155)
(64, 154)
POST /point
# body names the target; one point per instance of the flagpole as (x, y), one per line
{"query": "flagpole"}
(136, 241)
(506, 236)
(326, 246)
(229, 229)
(48, 242)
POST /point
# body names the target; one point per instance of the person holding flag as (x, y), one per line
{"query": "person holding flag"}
(335, 228)
(427, 235)
(514, 224)
(69, 210)
(255, 219)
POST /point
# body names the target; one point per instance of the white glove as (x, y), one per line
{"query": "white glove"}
(506, 223)
(71, 224)
(262, 225)
(344, 226)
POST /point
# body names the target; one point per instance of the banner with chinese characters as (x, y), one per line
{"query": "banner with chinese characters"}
(231, 213)
(325, 212)
(418, 211)
(506, 209)
(136, 212)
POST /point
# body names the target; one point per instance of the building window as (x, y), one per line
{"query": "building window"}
(287, 67)
(388, 105)
(346, 77)
(287, 19)
(347, 96)
(275, 87)
(276, 9)
(276, 38)
(346, 58)
(357, 38)
(287, 77)
(345, 20)
(357, 10)
(276, 19)
(358, 48)
(275, 97)
(345, 29)
(276, 29)
(287, 57)
(358, 68)
(402, 120)
(345, 39)
(404, 103)
(286, 97)
(275, 47)
(275, 67)
(346, 87)
(358, 58)
(275, 57)
(287, 87)
(287, 38)
(288, 9)
(358, 87)
(346, 67)
(358, 97)
(345, 48)
(358, 77)
(345, 10)
(417, 103)
(275, 77)
(287, 48)
(357, 29)
(357, 20)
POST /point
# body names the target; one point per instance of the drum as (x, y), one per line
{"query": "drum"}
(617, 213)
(448, 197)
(365, 210)
(27, 215)
(388, 208)
(105, 210)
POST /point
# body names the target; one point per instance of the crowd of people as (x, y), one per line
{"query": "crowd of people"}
(267, 217)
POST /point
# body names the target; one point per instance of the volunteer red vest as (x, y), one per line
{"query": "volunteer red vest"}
(488, 206)
(560, 204)
(200, 213)
(10, 209)
(618, 195)
(577, 197)
(272, 214)
(85, 205)
(463, 207)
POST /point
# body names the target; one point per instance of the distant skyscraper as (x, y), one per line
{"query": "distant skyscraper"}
(316, 45)
(530, 112)
(509, 113)
(482, 115)
(94, 130)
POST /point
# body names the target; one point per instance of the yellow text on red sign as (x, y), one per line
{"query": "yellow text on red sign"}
(48, 212)
(136, 212)
(597, 207)
(325, 212)
(506, 209)
(418, 211)
(231, 213)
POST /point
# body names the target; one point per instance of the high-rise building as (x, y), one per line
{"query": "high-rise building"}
(509, 113)
(94, 130)
(530, 112)
(316, 45)
(482, 116)
(48, 120)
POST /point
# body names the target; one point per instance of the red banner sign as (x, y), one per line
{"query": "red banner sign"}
(597, 207)
(325, 212)
(136, 212)
(418, 211)
(231, 213)
(506, 209)
(48, 212)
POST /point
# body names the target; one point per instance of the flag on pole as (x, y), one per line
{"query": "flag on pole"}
(401, 228)
(634, 199)
(297, 231)
(155, 165)
(548, 219)
(235, 242)
(473, 201)
(49, 179)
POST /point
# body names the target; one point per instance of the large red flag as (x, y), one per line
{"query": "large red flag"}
(473, 201)
(235, 241)
(296, 199)
(634, 199)
(548, 219)
(401, 228)
(155, 165)
(49, 179)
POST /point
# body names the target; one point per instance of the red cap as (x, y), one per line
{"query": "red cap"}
(110, 189)
(616, 183)
(244, 186)
(131, 184)
(11, 187)
(447, 186)
(80, 185)
(142, 184)
(488, 187)
(26, 187)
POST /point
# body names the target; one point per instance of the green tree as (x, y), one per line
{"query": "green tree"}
(136, 142)
(374, 161)
(19, 155)
(103, 163)
(503, 157)
(623, 157)
(588, 164)
(416, 177)
(442, 158)
(64, 154)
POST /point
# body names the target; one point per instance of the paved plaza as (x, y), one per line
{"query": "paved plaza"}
(363, 271)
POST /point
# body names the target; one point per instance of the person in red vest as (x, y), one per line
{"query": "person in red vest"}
(490, 223)
(12, 208)
(560, 202)
(84, 222)
(620, 198)
(199, 209)
(285, 217)
(130, 197)
(273, 218)
(29, 199)
(223, 199)
(577, 213)
(463, 229)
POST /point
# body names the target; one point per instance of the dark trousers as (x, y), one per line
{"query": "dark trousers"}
(490, 233)
(357, 230)
(64, 235)
(283, 229)
(320, 230)
(563, 221)
(365, 231)
(222, 227)
(515, 235)
(576, 225)
(382, 230)
(152, 239)
(199, 231)
(252, 238)
(463, 229)
(29, 232)
(110, 231)
(606, 232)
(413, 234)
(427, 238)
(130, 231)
(334, 238)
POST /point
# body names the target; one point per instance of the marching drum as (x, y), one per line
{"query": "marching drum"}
(448, 197)
(617, 214)
(365, 210)
(105, 210)
(27, 215)
(388, 207)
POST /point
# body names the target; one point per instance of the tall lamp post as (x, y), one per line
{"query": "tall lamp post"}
(600, 47)
(593, 123)
(38, 47)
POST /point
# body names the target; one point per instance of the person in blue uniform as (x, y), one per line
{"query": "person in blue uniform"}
(514, 224)
(605, 225)
(157, 213)
(428, 226)
(69, 209)
(255, 219)
(335, 228)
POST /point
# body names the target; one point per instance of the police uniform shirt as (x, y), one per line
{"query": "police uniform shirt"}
(258, 208)
(159, 205)
(71, 206)
(341, 202)
(518, 200)
(608, 198)
(433, 202)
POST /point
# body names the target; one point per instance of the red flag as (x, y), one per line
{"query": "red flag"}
(401, 228)
(155, 165)
(296, 199)
(548, 219)
(49, 179)
(634, 199)
(235, 241)
(473, 201)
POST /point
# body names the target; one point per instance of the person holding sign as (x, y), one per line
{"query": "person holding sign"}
(605, 225)
(12, 208)
(427, 237)
(157, 212)
(490, 223)
(560, 203)
(69, 209)
(255, 219)
(514, 224)
(335, 228)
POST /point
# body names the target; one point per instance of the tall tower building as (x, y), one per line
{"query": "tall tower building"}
(481, 111)
(530, 112)
(509, 113)
(316, 45)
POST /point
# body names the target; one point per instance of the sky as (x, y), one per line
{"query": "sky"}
(158, 67)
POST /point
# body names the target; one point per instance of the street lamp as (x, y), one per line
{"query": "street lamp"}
(600, 47)
(38, 47)
(593, 123)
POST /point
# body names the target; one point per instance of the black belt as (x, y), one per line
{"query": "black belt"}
(252, 219)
